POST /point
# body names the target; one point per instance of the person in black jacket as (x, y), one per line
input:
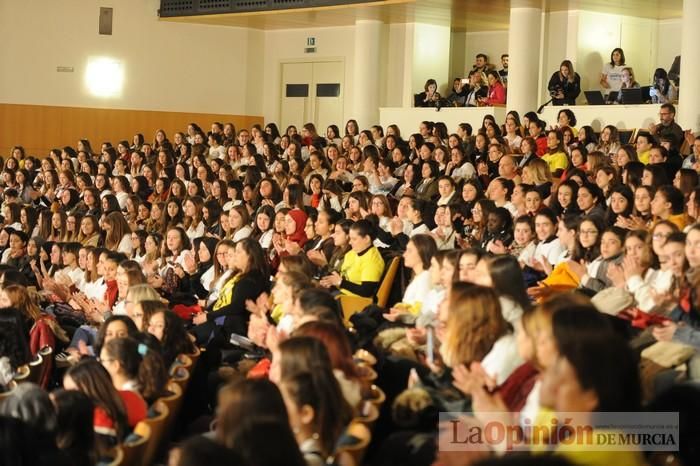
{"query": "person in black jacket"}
(564, 85)
(229, 312)
(429, 97)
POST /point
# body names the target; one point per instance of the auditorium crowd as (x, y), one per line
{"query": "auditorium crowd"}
(252, 296)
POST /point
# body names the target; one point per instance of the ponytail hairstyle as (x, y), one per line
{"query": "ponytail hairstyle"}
(141, 363)
(307, 374)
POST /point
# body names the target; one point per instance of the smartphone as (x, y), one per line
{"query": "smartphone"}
(430, 346)
(465, 80)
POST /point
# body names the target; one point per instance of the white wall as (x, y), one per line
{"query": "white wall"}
(289, 44)
(168, 66)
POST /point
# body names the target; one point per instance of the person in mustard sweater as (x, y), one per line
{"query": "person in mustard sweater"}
(668, 204)
(555, 156)
(362, 267)
(644, 143)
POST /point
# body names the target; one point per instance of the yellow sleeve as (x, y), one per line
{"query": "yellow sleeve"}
(372, 267)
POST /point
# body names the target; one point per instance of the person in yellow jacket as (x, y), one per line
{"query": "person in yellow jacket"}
(555, 156)
(362, 267)
(644, 142)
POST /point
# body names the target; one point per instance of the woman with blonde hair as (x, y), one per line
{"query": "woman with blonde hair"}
(472, 329)
(538, 174)
(628, 82)
(89, 233)
(594, 160)
(136, 295)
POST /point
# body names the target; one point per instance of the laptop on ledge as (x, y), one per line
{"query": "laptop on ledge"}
(594, 97)
(632, 96)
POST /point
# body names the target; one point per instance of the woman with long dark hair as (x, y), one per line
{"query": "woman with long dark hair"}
(252, 278)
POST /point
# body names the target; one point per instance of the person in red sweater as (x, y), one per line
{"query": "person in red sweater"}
(116, 411)
(536, 130)
(497, 92)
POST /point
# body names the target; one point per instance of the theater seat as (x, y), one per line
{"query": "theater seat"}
(353, 304)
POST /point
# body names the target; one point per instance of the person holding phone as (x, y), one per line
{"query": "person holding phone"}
(662, 91)
(458, 96)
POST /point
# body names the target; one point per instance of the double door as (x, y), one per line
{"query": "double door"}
(312, 92)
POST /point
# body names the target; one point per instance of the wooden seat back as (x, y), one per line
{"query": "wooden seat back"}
(134, 451)
(158, 425)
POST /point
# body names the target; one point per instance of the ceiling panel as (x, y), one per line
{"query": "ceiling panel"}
(461, 15)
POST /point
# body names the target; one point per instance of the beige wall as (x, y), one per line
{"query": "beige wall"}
(599, 33)
(669, 42)
(647, 43)
(396, 67)
(492, 43)
(182, 67)
(431, 56)
(168, 66)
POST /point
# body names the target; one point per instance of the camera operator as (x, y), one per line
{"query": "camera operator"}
(564, 85)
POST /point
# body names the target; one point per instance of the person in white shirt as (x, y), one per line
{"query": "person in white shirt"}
(444, 234)
(611, 77)
(419, 251)
(414, 213)
(117, 233)
(194, 224)
(216, 150)
(639, 277)
(238, 226)
(457, 167)
(71, 273)
(549, 248)
(122, 189)
(499, 191)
